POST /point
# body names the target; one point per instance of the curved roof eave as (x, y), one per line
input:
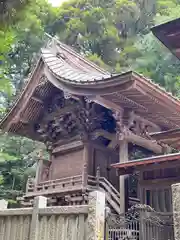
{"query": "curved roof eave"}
(25, 93)
(73, 72)
(63, 84)
(108, 85)
(66, 77)
(80, 77)
(104, 86)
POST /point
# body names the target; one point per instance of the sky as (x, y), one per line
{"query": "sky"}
(56, 3)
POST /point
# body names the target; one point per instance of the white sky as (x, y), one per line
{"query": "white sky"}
(56, 3)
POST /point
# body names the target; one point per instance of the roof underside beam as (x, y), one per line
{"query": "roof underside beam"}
(133, 138)
(132, 92)
(117, 108)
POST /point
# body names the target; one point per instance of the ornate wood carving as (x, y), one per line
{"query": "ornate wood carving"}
(135, 124)
(58, 119)
(137, 131)
(87, 118)
(66, 118)
(140, 126)
(121, 129)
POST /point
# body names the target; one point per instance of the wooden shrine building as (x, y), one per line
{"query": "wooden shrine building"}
(169, 34)
(89, 119)
(156, 174)
(155, 177)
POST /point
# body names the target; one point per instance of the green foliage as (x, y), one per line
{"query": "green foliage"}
(11, 11)
(6, 40)
(17, 161)
(18, 46)
(157, 63)
(97, 60)
(116, 35)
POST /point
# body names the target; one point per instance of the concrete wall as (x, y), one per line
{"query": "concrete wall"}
(85, 222)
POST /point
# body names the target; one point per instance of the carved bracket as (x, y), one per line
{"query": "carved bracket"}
(134, 123)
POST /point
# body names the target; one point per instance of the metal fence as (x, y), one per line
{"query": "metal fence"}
(118, 234)
(140, 223)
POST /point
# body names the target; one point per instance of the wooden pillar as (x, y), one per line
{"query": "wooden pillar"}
(84, 177)
(52, 158)
(86, 156)
(85, 166)
(123, 157)
(86, 153)
(39, 168)
(140, 189)
(97, 176)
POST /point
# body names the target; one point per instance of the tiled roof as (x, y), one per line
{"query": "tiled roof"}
(70, 70)
(67, 65)
(130, 166)
(60, 64)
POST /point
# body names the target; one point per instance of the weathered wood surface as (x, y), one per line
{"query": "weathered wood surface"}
(112, 195)
(83, 222)
(15, 227)
(62, 227)
(77, 183)
(45, 223)
(51, 227)
(123, 157)
(149, 144)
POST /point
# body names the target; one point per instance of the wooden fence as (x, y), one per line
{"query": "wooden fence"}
(85, 222)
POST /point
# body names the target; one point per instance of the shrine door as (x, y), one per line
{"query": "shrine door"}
(103, 159)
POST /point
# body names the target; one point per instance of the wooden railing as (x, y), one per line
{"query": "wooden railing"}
(82, 182)
(112, 195)
(57, 185)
